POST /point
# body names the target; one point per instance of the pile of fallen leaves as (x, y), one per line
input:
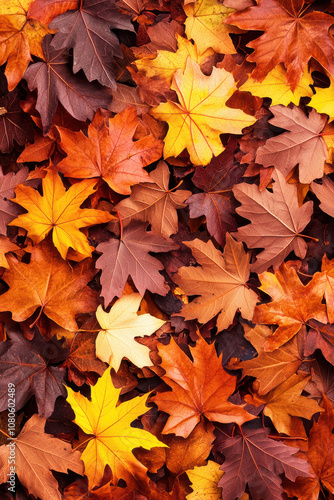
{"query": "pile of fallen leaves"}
(166, 249)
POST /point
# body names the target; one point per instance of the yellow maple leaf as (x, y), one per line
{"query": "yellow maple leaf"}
(167, 62)
(323, 100)
(59, 210)
(274, 86)
(202, 115)
(205, 25)
(19, 38)
(121, 325)
(111, 438)
(204, 482)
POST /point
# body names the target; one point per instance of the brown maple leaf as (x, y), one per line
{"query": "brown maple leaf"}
(292, 36)
(198, 388)
(289, 309)
(109, 151)
(154, 202)
(50, 283)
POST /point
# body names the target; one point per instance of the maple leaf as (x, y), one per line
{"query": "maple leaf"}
(205, 25)
(121, 325)
(289, 309)
(252, 458)
(88, 31)
(285, 402)
(302, 143)
(8, 209)
(112, 439)
(277, 221)
(269, 368)
(204, 482)
(15, 125)
(322, 101)
(20, 38)
(48, 282)
(154, 202)
(109, 151)
(321, 438)
(221, 282)
(55, 83)
(46, 10)
(291, 37)
(58, 210)
(274, 86)
(82, 359)
(320, 337)
(26, 363)
(6, 246)
(324, 192)
(327, 269)
(199, 389)
(36, 453)
(201, 116)
(166, 63)
(216, 180)
(129, 256)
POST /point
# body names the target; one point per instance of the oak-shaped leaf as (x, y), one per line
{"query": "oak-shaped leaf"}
(291, 36)
(8, 209)
(120, 327)
(50, 283)
(252, 458)
(154, 202)
(220, 280)
(201, 116)
(111, 438)
(215, 202)
(320, 456)
(289, 309)
(20, 38)
(276, 221)
(55, 83)
(110, 152)
(129, 256)
(301, 144)
(36, 454)
(199, 388)
(26, 364)
(59, 211)
(15, 125)
(88, 31)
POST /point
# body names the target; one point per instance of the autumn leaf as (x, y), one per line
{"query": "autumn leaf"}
(109, 151)
(291, 37)
(49, 283)
(201, 116)
(8, 209)
(88, 31)
(36, 453)
(121, 325)
(277, 221)
(204, 482)
(15, 125)
(154, 202)
(322, 100)
(216, 181)
(20, 37)
(6, 246)
(59, 211)
(112, 439)
(285, 402)
(252, 458)
(275, 86)
(199, 389)
(289, 309)
(205, 25)
(46, 10)
(56, 84)
(321, 438)
(26, 363)
(221, 282)
(302, 144)
(129, 255)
